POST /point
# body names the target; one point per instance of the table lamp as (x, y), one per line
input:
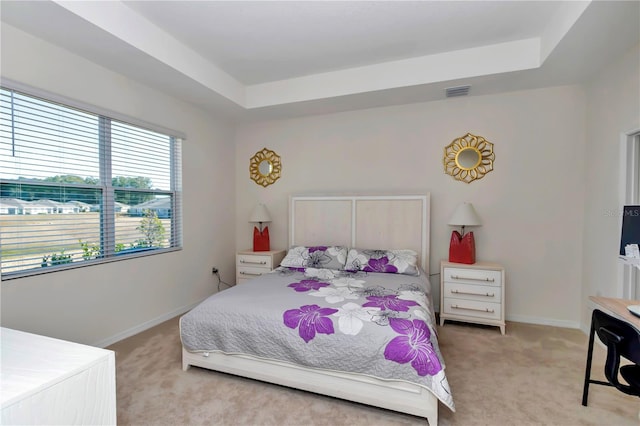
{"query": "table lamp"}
(462, 248)
(260, 214)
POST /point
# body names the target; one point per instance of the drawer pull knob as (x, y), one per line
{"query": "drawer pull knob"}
(262, 262)
(473, 309)
(458, 277)
(472, 293)
(249, 273)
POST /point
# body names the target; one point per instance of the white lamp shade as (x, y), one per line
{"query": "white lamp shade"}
(260, 214)
(465, 215)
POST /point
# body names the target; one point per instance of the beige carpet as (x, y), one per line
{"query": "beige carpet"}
(531, 376)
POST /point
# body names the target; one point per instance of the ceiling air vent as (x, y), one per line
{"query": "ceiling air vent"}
(457, 91)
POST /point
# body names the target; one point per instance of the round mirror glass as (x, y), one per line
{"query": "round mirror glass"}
(468, 158)
(265, 167)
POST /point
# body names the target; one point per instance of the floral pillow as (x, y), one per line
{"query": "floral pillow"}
(388, 261)
(321, 257)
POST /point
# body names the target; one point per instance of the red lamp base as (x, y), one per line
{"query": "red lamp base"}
(261, 239)
(462, 249)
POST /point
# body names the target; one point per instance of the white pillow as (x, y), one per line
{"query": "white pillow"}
(387, 261)
(321, 257)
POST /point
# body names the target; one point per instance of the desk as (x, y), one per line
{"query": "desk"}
(614, 307)
(618, 308)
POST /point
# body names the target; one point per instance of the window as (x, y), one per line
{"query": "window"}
(78, 188)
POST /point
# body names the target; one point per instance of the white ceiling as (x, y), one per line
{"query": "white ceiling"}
(259, 42)
(277, 59)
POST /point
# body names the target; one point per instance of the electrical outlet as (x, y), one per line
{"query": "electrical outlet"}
(214, 270)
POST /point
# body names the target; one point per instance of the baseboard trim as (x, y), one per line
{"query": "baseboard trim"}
(144, 326)
(541, 321)
(544, 321)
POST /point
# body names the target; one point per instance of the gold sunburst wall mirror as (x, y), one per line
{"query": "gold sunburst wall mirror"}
(265, 167)
(468, 158)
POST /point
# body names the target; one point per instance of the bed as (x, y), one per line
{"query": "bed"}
(349, 313)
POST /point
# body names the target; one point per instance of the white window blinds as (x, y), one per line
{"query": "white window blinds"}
(78, 188)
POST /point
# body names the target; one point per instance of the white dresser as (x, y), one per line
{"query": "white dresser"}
(45, 381)
(251, 264)
(472, 293)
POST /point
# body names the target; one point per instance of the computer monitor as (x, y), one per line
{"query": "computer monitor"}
(630, 227)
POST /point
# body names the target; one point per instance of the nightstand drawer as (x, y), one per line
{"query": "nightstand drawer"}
(473, 276)
(248, 272)
(481, 293)
(254, 261)
(472, 308)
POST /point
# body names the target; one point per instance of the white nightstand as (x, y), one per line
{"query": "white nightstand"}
(472, 293)
(251, 264)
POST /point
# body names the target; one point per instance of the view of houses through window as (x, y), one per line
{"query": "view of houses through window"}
(77, 187)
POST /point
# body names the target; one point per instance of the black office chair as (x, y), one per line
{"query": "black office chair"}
(622, 340)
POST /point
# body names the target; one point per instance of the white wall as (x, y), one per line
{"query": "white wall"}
(551, 161)
(531, 204)
(613, 109)
(103, 303)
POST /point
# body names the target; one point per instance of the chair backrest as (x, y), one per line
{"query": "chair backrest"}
(629, 347)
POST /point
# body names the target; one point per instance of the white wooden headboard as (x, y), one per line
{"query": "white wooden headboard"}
(368, 222)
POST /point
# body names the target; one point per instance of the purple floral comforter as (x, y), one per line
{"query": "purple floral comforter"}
(375, 324)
